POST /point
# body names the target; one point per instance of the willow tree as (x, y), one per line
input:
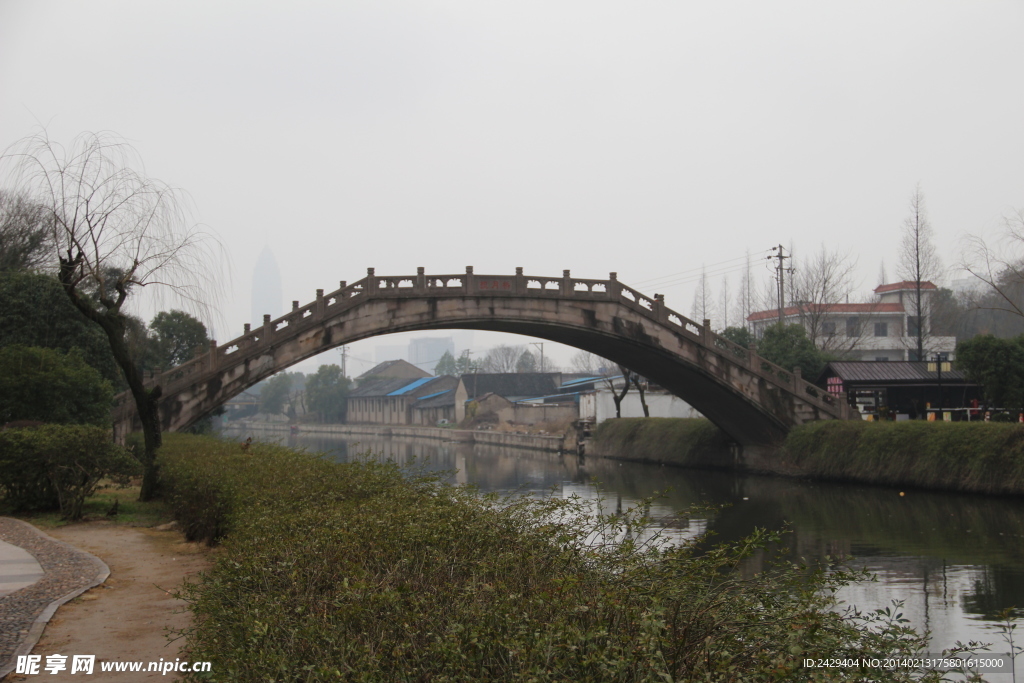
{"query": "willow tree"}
(113, 232)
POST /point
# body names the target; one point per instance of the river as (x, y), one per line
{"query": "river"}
(954, 560)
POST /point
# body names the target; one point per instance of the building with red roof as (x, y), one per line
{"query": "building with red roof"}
(884, 330)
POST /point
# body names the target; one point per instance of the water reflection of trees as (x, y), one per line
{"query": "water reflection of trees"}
(997, 588)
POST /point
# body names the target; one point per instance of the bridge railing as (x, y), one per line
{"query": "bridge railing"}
(778, 375)
(254, 341)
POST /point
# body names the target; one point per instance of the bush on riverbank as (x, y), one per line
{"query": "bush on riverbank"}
(363, 572)
(962, 456)
(674, 441)
(979, 457)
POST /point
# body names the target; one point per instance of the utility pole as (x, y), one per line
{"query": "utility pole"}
(780, 270)
(540, 345)
(344, 355)
(476, 369)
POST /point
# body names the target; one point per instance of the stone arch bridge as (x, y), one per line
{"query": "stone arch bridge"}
(752, 400)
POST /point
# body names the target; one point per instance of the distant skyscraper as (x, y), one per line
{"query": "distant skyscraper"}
(266, 288)
(425, 352)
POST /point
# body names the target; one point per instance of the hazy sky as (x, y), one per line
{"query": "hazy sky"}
(646, 138)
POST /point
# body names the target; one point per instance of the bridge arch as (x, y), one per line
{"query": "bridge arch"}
(752, 400)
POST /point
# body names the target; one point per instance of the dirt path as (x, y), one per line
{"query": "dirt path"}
(128, 617)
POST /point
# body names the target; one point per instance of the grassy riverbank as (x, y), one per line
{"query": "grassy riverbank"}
(979, 457)
(673, 441)
(362, 572)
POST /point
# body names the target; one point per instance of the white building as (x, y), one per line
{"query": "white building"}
(880, 331)
(599, 405)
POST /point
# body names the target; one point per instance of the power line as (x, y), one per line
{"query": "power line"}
(727, 266)
(702, 275)
(718, 273)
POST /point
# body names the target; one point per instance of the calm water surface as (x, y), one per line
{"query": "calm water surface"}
(955, 560)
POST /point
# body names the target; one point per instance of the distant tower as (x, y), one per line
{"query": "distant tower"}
(425, 352)
(266, 288)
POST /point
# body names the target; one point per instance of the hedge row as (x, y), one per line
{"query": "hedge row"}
(959, 456)
(362, 572)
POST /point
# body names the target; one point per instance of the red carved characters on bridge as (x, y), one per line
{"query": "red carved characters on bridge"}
(495, 285)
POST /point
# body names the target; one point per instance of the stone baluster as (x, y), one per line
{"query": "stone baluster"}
(319, 304)
(613, 287)
(469, 282)
(371, 282)
(421, 281)
(214, 356)
(659, 307)
(520, 282)
(705, 335)
(268, 330)
(843, 405)
(567, 288)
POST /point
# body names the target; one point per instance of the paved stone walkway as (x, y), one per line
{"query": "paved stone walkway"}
(34, 582)
(18, 569)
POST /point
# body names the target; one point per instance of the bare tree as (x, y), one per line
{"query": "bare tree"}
(746, 296)
(502, 358)
(586, 362)
(112, 232)
(703, 299)
(23, 233)
(918, 263)
(819, 283)
(999, 267)
(641, 388)
(723, 304)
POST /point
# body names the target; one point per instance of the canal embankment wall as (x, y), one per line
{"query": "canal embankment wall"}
(976, 457)
(540, 442)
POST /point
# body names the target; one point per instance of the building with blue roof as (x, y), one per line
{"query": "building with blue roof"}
(402, 401)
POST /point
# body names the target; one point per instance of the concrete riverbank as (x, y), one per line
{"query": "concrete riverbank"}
(540, 442)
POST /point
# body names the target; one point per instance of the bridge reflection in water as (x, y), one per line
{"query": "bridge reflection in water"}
(956, 560)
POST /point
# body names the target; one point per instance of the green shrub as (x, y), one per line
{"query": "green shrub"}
(51, 386)
(24, 479)
(58, 466)
(358, 572)
(964, 456)
(678, 441)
